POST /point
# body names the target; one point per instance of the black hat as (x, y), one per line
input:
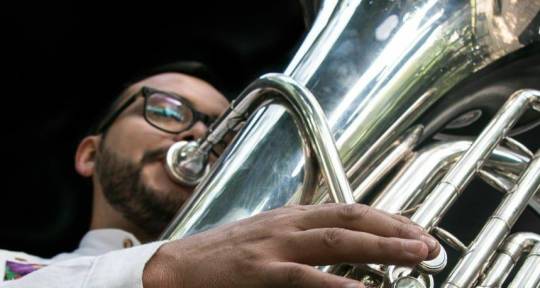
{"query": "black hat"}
(192, 68)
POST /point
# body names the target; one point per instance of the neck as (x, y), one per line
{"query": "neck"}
(105, 216)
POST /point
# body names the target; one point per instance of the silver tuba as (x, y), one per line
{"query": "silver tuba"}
(363, 114)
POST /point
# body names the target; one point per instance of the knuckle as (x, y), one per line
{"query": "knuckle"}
(333, 237)
(283, 223)
(402, 219)
(248, 263)
(293, 218)
(290, 240)
(295, 275)
(415, 227)
(280, 219)
(411, 230)
(400, 231)
(233, 232)
(386, 244)
(353, 212)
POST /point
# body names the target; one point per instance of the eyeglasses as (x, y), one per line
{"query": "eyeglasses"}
(167, 111)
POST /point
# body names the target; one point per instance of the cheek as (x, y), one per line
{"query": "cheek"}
(155, 176)
(151, 173)
(132, 136)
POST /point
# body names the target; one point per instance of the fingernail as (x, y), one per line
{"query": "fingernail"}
(413, 246)
(432, 243)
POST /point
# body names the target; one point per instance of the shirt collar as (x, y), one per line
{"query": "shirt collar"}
(100, 241)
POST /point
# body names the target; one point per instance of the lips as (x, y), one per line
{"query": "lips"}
(156, 155)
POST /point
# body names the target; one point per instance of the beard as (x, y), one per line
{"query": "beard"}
(123, 186)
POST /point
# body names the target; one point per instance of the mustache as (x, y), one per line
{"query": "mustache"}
(154, 155)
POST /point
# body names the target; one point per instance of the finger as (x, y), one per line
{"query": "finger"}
(327, 246)
(357, 217)
(434, 250)
(297, 207)
(300, 208)
(399, 218)
(364, 218)
(285, 274)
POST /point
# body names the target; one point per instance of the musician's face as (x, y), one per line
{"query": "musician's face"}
(130, 159)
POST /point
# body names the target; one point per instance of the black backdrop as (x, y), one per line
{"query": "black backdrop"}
(67, 61)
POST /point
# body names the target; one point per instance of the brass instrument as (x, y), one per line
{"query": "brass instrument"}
(364, 76)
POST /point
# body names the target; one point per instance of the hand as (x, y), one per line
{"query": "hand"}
(278, 248)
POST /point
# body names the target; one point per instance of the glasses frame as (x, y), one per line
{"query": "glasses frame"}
(146, 92)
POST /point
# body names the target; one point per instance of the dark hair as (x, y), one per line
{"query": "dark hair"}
(192, 68)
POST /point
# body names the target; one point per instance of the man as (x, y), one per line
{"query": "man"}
(134, 199)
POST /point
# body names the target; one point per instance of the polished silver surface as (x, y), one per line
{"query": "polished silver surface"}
(310, 120)
(449, 239)
(507, 257)
(415, 179)
(434, 265)
(185, 163)
(535, 203)
(374, 67)
(470, 265)
(451, 186)
(408, 282)
(312, 123)
(501, 184)
(528, 275)
(449, 189)
(410, 185)
(517, 146)
(436, 203)
(396, 275)
(401, 150)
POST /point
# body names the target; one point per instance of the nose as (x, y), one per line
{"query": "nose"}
(197, 131)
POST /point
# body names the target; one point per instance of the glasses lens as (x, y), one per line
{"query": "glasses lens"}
(168, 113)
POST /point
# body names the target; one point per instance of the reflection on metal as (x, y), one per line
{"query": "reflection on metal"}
(186, 163)
(434, 265)
(500, 183)
(403, 276)
(450, 239)
(408, 282)
(517, 146)
(469, 267)
(412, 183)
(465, 120)
(312, 122)
(370, 91)
(401, 150)
(508, 255)
(374, 67)
(453, 183)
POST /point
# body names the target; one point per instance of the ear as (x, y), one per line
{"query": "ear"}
(85, 157)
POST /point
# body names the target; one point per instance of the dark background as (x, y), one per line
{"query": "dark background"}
(67, 62)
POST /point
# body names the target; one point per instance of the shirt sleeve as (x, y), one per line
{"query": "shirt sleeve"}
(121, 268)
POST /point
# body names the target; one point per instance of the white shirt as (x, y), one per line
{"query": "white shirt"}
(102, 260)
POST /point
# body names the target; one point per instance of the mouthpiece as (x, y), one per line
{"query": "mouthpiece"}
(185, 163)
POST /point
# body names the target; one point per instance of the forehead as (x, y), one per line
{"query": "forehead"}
(202, 95)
